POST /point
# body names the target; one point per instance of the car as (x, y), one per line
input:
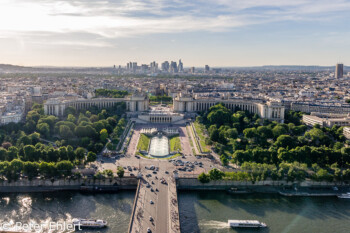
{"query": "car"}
(152, 190)
(134, 168)
(131, 174)
(149, 230)
(151, 202)
(154, 172)
(150, 218)
(148, 186)
(157, 190)
(152, 182)
(157, 168)
(166, 172)
(152, 167)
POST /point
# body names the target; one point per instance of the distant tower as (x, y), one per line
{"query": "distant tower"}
(206, 68)
(192, 70)
(173, 67)
(180, 67)
(165, 66)
(339, 70)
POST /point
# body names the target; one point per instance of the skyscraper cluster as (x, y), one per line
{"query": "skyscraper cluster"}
(173, 67)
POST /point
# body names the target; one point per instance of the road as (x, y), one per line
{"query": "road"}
(152, 204)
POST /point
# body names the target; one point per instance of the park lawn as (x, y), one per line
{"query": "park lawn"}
(200, 132)
(143, 142)
(175, 144)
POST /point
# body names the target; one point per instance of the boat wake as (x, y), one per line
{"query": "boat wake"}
(214, 224)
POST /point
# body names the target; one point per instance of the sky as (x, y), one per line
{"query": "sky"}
(214, 32)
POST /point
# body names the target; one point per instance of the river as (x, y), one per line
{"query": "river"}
(200, 211)
(208, 212)
(40, 208)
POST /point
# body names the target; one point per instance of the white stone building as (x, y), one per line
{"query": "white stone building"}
(267, 110)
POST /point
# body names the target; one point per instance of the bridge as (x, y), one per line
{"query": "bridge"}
(156, 205)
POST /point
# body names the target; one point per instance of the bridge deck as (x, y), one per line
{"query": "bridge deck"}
(164, 210)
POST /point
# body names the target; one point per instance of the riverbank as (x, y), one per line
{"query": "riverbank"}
(306, 188)
(86, 185)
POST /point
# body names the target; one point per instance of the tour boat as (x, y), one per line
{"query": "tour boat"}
(246, 223)
(91, 223)
(344, 195)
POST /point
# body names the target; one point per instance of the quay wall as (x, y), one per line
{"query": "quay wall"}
(132, 183)
(41, 185)
(195, 184)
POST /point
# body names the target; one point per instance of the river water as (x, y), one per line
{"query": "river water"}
(208, 212)
(62, 207)
(200, 211)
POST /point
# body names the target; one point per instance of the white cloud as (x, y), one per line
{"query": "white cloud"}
(114, 19)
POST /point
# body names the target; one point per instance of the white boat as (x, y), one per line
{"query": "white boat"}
(344, 195)
(90, 223)
(246, 223)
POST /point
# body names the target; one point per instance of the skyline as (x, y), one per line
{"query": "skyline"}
(218, 33)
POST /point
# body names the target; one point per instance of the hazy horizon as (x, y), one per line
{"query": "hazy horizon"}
(220, 33)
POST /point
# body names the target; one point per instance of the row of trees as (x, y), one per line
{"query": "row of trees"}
(48, 153)
(163, 98)
(284, 171)
(14, 169)
(110, 93)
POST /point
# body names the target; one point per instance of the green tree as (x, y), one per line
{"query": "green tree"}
(91, 157)
(120, 171)
(12, 153)
(30, 153)
(216, 174)
(232, 133)
(65, 132)
(285, 141)
(71, 118)
(35, 138)
(80, 153)
(265, 132)
(15, 169)
(47, 169)
(3, 154)
(31, 169)
(204, 178)
(219, 115)
(103, 135)
(278, 130)
(64, 168)
(250, 133)
(44, 129)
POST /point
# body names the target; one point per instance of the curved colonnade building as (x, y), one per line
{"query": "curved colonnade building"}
(133, 103)
(267, 110)
(182, 103)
